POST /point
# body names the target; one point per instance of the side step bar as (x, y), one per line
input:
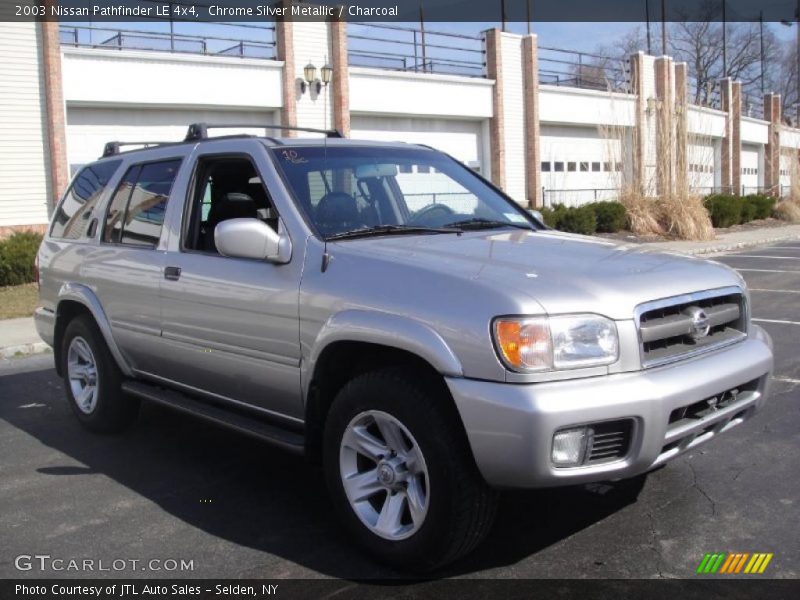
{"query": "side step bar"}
(287, 440)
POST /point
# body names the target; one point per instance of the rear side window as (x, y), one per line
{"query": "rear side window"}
(136, 212)
(73, 216)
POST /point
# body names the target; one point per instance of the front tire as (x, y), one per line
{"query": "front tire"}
(400, 471)
(93, 380)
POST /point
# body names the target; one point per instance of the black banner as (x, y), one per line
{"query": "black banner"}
(461, 589)
(494, 11)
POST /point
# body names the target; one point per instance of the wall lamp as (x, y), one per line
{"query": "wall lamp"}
(310, 77)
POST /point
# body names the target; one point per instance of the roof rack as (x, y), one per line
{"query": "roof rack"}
(114, 148)
(199, 131)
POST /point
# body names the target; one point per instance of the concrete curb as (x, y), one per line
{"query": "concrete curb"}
(24, 350)
(723, 246)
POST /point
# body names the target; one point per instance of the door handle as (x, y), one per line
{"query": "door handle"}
(172, 273)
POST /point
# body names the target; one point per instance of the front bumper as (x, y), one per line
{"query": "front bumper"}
(510, 427)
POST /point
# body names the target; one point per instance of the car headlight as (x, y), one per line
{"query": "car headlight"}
(559, 342)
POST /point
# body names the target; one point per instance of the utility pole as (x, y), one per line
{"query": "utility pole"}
(761, 43)
(724, 41)
(503, 13)
(664, 27)
(647, 18)
(528, 15)
(797, 51)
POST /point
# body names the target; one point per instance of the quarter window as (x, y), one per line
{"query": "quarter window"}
(73, 216)
(136, 213)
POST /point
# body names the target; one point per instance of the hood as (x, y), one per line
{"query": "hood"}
(564, 273)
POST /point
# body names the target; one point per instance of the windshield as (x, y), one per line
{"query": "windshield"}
(391, 190)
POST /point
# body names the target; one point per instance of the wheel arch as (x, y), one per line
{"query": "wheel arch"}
(354, 342)
(76, 299)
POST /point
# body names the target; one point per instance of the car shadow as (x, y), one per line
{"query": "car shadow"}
(252, 495)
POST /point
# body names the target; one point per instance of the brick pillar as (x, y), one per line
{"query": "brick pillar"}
(494, 70)
(56, 117)
(772, 151)
(341, 77)
(284, 43)
(640, 122)
(681, 131)
(533, 157)
(665, 130)
(731, 171)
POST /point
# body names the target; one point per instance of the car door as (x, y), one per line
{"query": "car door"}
(230, 325)
(125, 268)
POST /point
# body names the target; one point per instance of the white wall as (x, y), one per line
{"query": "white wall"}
(585, 107)
(514, 117)
(93, 76)
(704, 121)
(461, 139)
(754, 131)
(23, 138)
(89, 128)
(388, 92)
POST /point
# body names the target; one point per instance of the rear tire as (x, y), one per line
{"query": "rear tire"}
(401, 474)
(93, 380)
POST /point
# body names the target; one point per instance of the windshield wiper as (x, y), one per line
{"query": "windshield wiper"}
(390, 230)
(479, 223)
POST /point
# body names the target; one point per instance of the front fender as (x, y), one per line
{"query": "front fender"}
(82, 294)
(385, 329)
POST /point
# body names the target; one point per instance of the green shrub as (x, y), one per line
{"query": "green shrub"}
(747, 210)
(550, 217)
(725, 210)
(17, 254)
(610, 216)
(762, 205)
(578, 219)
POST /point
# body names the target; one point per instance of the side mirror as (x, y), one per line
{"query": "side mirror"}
(251, 238)
(537, 215)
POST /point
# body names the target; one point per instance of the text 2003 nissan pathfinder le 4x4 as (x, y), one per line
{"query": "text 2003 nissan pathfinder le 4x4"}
(384, 309)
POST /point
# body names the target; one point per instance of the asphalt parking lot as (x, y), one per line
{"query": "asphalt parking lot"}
(175, 488)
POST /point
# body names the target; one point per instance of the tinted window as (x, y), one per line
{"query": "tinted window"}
(136, 213)
(116, 208)
(74, 215)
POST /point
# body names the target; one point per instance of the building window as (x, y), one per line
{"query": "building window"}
(607, 167)
(584, 166)
(618, 167)
(558, 166)
(596, 167)
(545, 167)
(571, 166)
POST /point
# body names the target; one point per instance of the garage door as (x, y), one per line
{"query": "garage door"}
(89, 128)
(579, 165)
(460, 139)
(750, 167)
(700, 163)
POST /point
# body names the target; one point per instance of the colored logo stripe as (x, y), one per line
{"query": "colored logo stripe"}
(721, 562)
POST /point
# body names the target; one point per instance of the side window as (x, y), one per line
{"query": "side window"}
(227, 187)
(112, 232)
(74, 215)
(136, 213)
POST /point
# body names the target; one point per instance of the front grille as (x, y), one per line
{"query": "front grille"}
(671, 329)
(696, 423)
(610, 440)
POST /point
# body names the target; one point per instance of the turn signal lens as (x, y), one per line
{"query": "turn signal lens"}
(524, 344)
(556, 342)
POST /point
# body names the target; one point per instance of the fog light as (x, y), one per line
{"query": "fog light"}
(569, 447)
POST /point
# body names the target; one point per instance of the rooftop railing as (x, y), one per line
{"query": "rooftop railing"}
(176, 34)
(415, 49)
(558, 66)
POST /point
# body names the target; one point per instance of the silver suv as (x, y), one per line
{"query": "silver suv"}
(385, 310)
